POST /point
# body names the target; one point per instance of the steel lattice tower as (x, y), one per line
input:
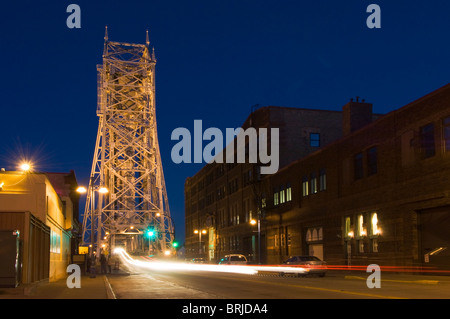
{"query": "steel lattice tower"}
(127, 160)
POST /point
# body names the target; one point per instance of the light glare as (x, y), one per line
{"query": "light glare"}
(25, 167)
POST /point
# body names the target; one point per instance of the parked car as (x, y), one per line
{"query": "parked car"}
(312, 264)
(233, 259)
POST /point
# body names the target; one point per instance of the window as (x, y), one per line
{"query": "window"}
(322, 179)
(313, 183)
(288, 193)
(305, 186)
(446, 133)
(427, 140)
(372, 161)
(314, 139)
(282, 195)
(358, 166)
(361, 246)
(348, 232)
(55, 242)
(375, 245)
(361, 230)
(314, 234)
(374, 225)
(275, 197)
(263, 201)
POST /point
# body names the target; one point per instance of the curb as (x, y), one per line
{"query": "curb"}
(109, 291)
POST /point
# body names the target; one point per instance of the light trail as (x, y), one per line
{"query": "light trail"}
(154, 264)
(182, 266)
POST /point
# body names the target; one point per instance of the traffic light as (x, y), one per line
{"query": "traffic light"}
(150, 233)
(175, 244)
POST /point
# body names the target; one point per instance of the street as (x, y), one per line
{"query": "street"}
(150, 283)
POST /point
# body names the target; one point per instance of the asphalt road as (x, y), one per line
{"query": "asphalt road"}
(145, 283)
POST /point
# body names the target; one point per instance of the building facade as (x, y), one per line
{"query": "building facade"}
(377, 194)
(222, 198)
(44, 208)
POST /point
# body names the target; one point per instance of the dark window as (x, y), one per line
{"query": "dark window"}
(372, 161)
(322, 179)
(446, 133)
(358, 166)
(314, 139)
(427, 140)
(313, 183)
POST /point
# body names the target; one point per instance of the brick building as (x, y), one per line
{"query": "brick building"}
(221, 198)
(378, 194)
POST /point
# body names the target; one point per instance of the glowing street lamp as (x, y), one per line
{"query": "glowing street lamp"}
(81, 190)
(200, 232)
(101, 190)
(25, 167)
(253, 222)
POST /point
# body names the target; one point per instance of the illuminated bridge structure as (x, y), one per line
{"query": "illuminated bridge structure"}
(127, 204)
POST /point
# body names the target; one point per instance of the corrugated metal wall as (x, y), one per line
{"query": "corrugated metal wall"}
(34, 244)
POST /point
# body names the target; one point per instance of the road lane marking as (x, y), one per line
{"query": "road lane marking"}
(330, 290)
(426, 282)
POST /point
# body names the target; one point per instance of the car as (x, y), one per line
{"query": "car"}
(311, 264)
(233, 259)
(198, 261)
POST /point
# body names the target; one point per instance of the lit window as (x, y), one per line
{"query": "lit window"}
(314, 139)
(55, 242)
(374, 224)
(375, 245)
(361, 246)
(275, 198)
(305, 186)
(288, 193)
(361, 230)
(282, 195)
(348, 233)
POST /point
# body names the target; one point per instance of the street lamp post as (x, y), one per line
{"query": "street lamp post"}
(101, 190)
(254, 222)
(200, 232)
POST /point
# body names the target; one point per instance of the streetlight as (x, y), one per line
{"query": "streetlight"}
(81, 190)
(25, 167)
(200, 232)
(254, 222)
(101, 190)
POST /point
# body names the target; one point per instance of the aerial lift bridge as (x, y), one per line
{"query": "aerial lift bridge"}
(126, 203)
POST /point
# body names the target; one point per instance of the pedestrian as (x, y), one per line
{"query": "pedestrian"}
(109, 264)
(103, 263)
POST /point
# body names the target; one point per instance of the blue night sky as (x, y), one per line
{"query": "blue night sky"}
(216, 59)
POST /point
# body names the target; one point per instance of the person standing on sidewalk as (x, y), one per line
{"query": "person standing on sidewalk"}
(103, 263)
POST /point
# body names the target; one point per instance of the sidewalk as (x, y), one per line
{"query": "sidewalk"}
(91, 288)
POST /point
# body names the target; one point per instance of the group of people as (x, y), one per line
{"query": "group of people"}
(106, 263)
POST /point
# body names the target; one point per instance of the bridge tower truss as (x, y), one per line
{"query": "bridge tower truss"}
(127, 196)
